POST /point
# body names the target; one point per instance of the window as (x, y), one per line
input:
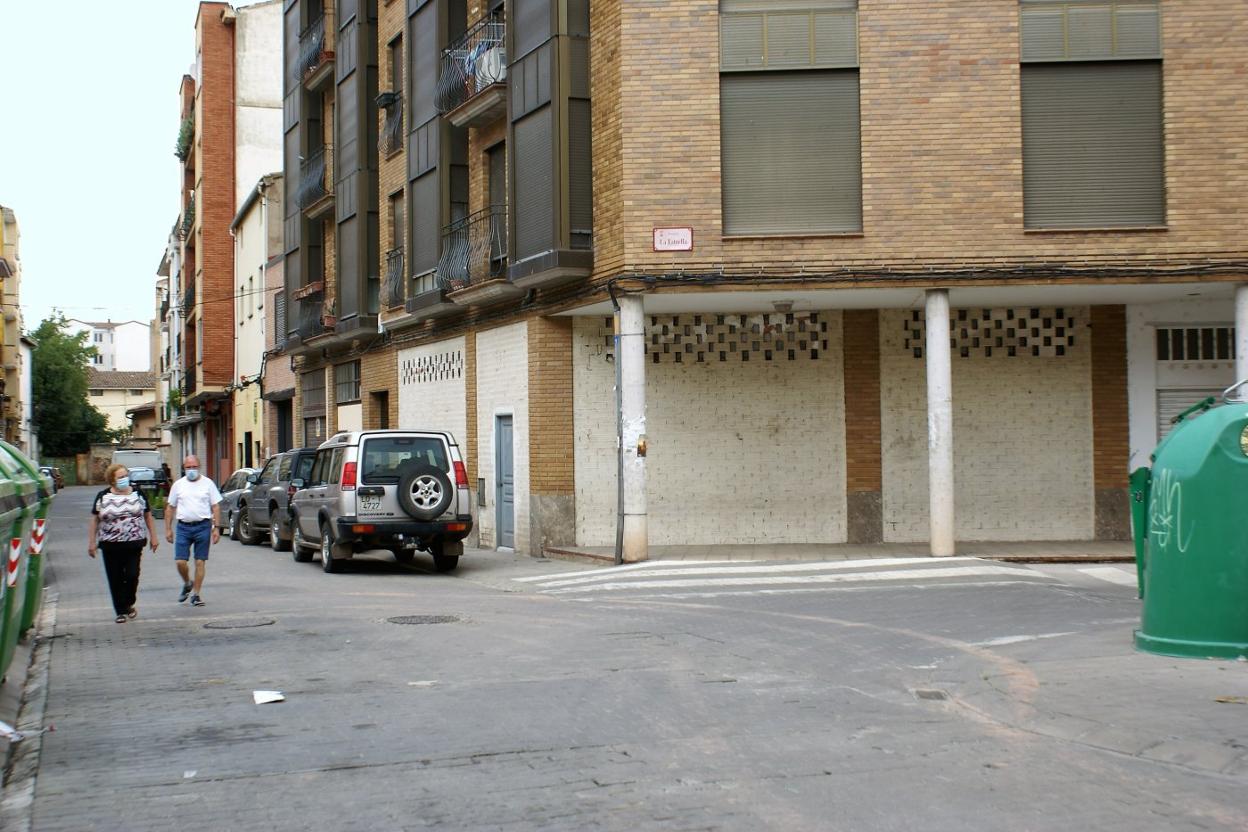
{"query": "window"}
(1093, 143)
(396, 64)
(347, 382)
(97, 392)
(385, 458)
(304, 469)
(319, 468)
(99, 337)
(267, 475)
(312, 386)
(335, 466)
(396, 220)
(1191, 344)
(789, 123)
(283, 471)
(134, 392)
(97, 358)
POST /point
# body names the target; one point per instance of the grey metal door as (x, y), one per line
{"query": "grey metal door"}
(505, 478)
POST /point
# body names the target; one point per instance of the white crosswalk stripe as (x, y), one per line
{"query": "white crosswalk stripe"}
(707, 579)
(1112, 574)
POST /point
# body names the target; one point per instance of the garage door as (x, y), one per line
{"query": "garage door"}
(1170, 403)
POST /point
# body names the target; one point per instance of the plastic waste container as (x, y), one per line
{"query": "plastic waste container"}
(1141, 483)
(44, 493)
(23, 499)
(1196, 565)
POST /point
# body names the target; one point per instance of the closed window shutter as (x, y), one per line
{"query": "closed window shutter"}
(791, 152)
(1060, 31)
(533, 187)
(788, 38)
(1092, 145)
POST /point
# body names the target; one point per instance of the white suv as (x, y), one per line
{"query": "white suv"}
(402, 490)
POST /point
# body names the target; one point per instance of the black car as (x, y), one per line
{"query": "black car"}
(264, 505)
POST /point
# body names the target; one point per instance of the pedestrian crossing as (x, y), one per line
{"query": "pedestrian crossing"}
(708, 579)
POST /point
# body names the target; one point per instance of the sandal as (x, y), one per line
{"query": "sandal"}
(121, 619)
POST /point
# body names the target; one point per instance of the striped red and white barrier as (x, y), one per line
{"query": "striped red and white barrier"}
(38, 535)
(15, 557)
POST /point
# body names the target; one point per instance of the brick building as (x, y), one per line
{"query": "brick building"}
(780, 206)
(228, 139)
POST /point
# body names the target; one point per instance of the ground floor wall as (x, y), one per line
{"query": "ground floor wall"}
(502, 399)
(744, 423)
(248, 427)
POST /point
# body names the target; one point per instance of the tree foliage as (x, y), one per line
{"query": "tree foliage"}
(66, 422)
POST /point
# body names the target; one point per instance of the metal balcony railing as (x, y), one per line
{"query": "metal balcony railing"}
(311, 323)
(395, 278)
(391, 139)
(475, 61)
(312, 46)
(474, 249)
(188, 298)
(314, 176)
(188, 220)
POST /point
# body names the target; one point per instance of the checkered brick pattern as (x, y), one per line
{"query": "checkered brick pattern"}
(438, 367)
(1013, 332)
(699, 339)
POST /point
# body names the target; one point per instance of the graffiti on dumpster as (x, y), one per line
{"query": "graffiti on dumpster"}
(1166, 510)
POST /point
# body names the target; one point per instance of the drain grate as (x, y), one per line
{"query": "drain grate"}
(239, 624)
(424, 619)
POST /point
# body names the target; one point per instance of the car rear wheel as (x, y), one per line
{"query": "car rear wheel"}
(277, 541)
(328, 562)
(299, 548)
(246, 532)
(425, 492)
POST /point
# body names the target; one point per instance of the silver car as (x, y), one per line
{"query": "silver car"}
(231, 489)
(402, 490)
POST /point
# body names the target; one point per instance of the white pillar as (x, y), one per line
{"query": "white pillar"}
(939, 423)
(632, 358)
(1241, 337)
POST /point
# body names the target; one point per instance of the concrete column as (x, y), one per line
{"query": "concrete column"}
(632, 358)
(1241, 337)
(939, 423)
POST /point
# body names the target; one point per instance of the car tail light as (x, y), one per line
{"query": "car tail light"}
(461, 475)
(363, 529)
(348, 477)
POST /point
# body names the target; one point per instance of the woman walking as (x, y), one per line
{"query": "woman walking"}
(122, 524)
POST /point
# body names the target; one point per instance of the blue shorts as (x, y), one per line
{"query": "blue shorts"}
(196, 535)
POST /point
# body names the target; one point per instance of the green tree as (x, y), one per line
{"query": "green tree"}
(67, 423)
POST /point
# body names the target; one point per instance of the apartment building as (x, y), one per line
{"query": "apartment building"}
(15, 400)
(229, 136)
(762, 221)
(119, 345)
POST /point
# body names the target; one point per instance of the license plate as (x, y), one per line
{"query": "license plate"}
(370, 503)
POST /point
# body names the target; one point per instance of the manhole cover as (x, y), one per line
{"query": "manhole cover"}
(424, 619)
(240, 624)
(925, 693)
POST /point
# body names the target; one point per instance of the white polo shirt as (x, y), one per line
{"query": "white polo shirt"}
(193, 501)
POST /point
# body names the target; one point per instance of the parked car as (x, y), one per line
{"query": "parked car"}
(58, 479)
(264, 506)
(148, 464)
(231, 489)
(402, 490)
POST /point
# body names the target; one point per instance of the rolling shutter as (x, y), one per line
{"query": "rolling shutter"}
(1054, 31)
(791, 152)
(533, 186)
(1092, 145)
(1170, 403)
(771, 34)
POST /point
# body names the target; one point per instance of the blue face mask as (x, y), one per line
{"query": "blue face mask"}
(192, 474)
(123, 482)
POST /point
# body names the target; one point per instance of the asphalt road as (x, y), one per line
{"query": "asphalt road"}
(929, 695)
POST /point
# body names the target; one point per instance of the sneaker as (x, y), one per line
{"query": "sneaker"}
(196, 601)
(186, 591)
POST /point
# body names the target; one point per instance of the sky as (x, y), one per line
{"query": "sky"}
(89, 116)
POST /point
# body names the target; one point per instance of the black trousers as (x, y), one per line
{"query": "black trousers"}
(121, 565)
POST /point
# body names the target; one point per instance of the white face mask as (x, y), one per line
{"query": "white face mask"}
(192, 474)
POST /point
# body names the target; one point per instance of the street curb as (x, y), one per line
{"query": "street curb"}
(1060, 558)
(21, 770)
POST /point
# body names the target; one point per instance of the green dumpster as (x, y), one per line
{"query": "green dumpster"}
(23, 500)
(1141, 481)
(44, 492)
(1195, 580)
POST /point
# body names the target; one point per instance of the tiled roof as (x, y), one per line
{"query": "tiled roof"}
(120, 380)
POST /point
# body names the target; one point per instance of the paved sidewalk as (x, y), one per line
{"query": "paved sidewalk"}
(1027, 552)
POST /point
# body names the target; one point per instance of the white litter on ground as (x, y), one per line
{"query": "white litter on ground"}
(264, 697)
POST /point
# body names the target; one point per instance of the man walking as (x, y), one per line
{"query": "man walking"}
(196, 503)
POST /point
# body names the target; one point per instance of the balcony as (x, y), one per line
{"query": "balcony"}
(390, 141)
(315, 192)
(311, 321)
(188, 220)
(471, 87)
(393, 289)
(188, 298)
(473, 266)
(316, 51)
